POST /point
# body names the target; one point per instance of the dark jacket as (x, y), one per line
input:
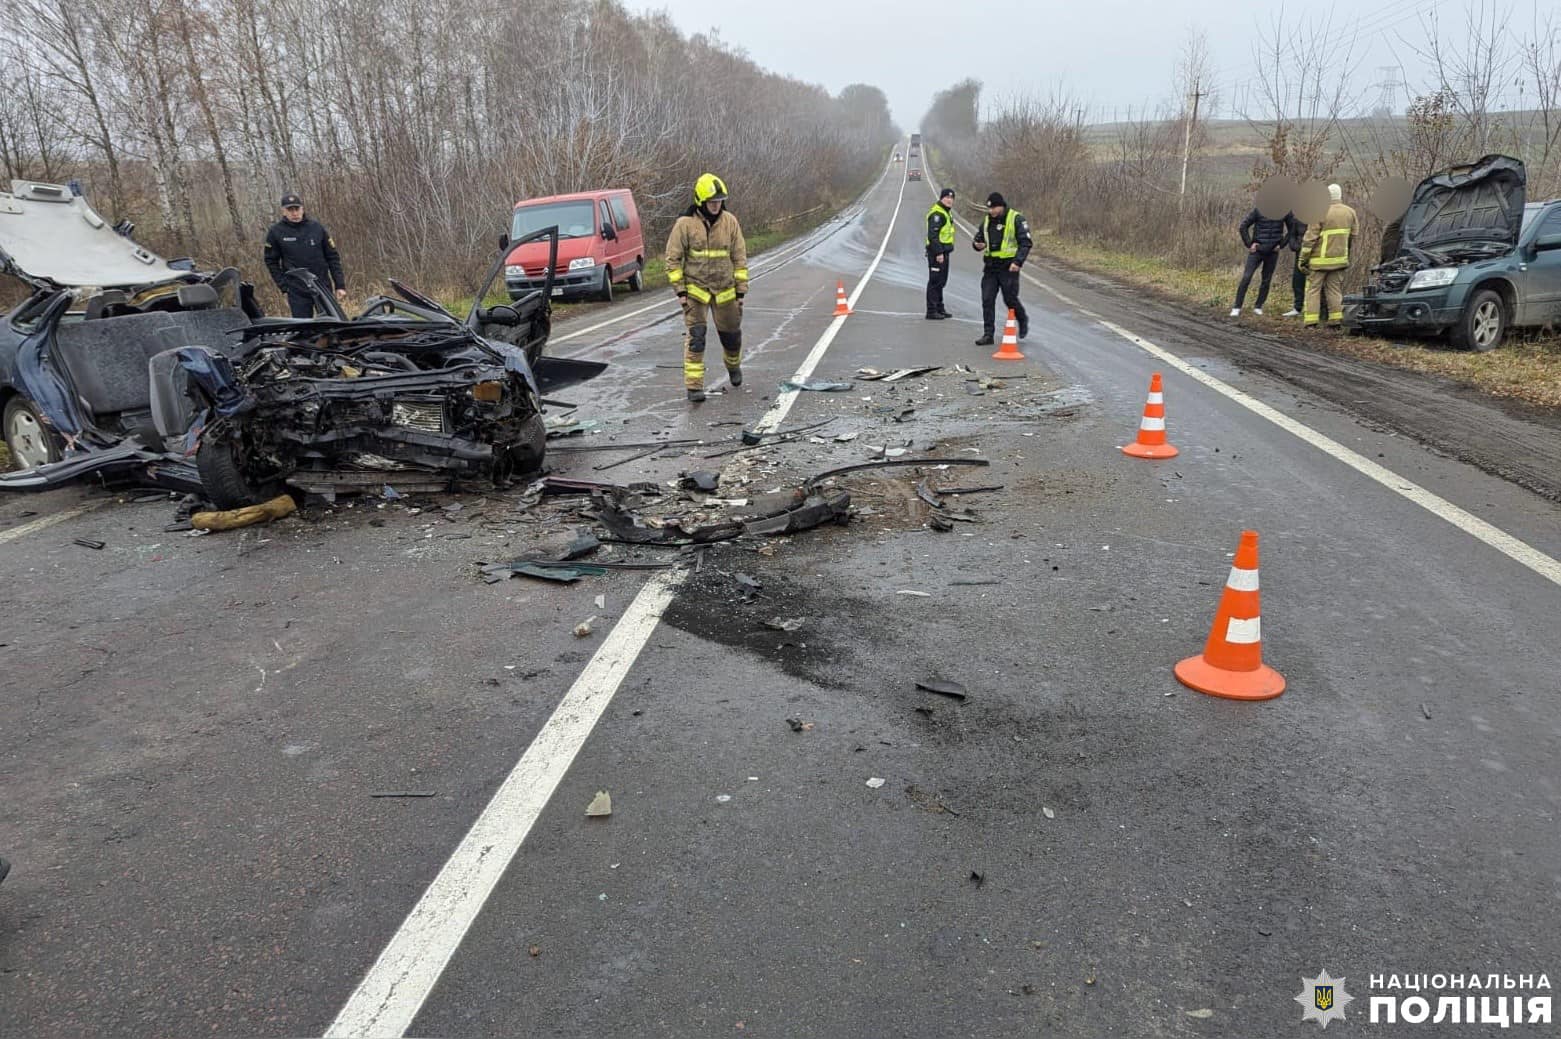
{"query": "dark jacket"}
(935, 221)
(1297, 234)
(1270, 235)
(305, 245)
(991, 229)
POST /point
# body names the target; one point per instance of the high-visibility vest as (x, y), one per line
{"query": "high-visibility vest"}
(1009, 247)
(946, 232)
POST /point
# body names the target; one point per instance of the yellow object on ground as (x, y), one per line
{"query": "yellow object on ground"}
(265, 512)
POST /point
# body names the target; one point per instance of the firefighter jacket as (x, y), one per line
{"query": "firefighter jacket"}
(707, 259)
(1326, 246)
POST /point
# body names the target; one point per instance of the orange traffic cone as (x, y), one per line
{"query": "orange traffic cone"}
(1231, 664)
(1151, 430)
(842, 307)
(1009, 350)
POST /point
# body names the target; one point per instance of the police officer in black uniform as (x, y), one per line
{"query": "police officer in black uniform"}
(940, 247)
(300, 242)
(1009, 233)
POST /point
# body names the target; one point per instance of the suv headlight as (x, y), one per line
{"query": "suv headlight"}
(1434, 278)
(514, 270)
(583, 263)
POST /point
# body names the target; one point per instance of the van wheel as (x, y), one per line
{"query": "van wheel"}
(31, 442)
(605, 295)
(637, 280)
(1483, 323)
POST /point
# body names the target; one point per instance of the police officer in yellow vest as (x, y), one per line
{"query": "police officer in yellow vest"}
(707, 264)
(1009, 234)
(940, 248)
(1325, 255)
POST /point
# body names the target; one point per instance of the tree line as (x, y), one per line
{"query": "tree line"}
(410, 130)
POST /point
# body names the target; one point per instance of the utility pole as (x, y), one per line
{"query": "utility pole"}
(1197, 95)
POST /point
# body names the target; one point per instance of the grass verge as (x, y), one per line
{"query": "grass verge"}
(1527, 367)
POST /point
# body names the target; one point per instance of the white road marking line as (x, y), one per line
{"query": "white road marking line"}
(45, 522)
(777, 412)
(393, 991)
(1513, 548)
(1519, 551)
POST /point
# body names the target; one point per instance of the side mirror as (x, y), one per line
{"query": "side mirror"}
(503, 242)
(608, 233)
(1547, 242)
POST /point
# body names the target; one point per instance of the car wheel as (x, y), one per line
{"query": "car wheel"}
(1483, 323)
(528, 453)
(224, 480)
(605, 293)
(637, 281)
(31, 442)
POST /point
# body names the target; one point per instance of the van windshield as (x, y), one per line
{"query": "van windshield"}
(574, 219)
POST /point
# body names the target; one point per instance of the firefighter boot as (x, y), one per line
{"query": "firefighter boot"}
(732, 354)
(694, 362)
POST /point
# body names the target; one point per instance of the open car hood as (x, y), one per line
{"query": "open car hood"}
(50, 237)
(1480, 202)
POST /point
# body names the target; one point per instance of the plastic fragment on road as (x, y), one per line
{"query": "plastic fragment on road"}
(875, 782)
(798, 725)
(817, 385)
(584, 629)
(1048, 813)
(914, 592)
(723, 798)
(953, 690)
(97, 546)
(232, 519)
(600, 806)
(785, 623)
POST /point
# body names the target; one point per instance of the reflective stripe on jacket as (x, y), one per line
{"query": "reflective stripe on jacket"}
(1327, 245)
(708, 259)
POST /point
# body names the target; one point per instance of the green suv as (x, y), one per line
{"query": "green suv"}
(1473, 261)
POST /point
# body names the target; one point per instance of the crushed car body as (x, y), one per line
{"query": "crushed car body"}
(181, 382)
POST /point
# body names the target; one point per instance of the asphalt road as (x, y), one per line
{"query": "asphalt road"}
(194, 727)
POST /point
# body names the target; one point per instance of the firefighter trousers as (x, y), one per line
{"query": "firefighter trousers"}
(729, 329)
(1324, 287)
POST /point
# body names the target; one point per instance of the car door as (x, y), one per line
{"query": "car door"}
(629, 243)
(1543, 272)
(612, 247)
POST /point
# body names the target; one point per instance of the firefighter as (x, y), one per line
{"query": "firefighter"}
(300, 242)
(1009, 234)
(1325, 256)
(707, 264)
(940, 249)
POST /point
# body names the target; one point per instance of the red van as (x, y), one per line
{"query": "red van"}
(600, 244)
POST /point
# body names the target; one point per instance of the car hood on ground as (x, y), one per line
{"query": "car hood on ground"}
(51, 237)
(1480, 202)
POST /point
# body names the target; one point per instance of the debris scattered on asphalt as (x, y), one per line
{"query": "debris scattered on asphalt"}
(1201, 1014)
(584, 629)
(953, 690)
(90, 543)
(404, 793)
(1048, 813)
(926, 712)
(966, 581)
(875, 782)
(785, 623)
(914, 592)
(600, 806)
(534, 951)
(232, 519)
(817, 385)
(977, 878)
(701, 480)
(928, 802)
(601, 602)
(1425, 711)
(389, 493)
(798, 725)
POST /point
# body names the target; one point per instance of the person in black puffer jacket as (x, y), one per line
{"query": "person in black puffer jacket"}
(1263, 238)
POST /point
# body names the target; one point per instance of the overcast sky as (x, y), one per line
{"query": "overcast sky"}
(1109, 53)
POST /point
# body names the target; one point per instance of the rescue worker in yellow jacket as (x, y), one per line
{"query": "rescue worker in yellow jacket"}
(1325, 255)
(707, 264)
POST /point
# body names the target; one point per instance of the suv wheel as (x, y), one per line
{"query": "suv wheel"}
(605, 294)
(223, 479)
(30, 441)
(527, 454)
(1483, 323)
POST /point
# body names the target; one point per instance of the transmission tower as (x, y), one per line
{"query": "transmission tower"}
(1387, 91)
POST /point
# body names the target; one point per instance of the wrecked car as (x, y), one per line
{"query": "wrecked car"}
(120, 363)
(1473, 262)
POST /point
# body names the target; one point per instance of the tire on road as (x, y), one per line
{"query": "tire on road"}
(29, 439)
(223, 478)
(1483, 323)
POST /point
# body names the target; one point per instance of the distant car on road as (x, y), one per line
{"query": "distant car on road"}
(898, 157)
(913, 175)
(600, 244)
(1474, 261)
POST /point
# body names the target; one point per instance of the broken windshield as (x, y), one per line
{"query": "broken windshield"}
(574, 219)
